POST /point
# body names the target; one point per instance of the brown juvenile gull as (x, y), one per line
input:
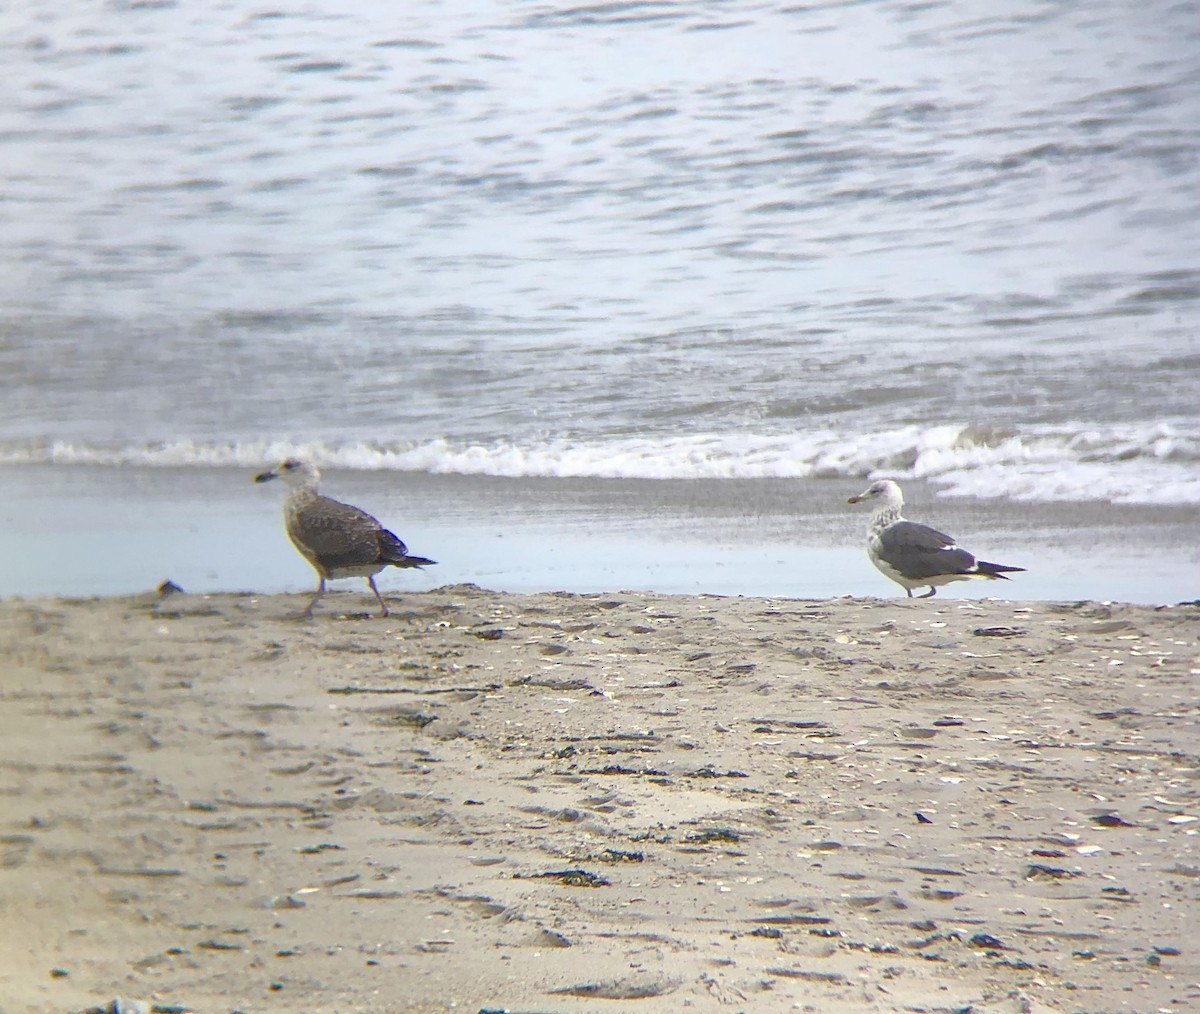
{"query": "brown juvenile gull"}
(337, 539)
(916, 555)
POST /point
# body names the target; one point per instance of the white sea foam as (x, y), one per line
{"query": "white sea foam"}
(1157, 464)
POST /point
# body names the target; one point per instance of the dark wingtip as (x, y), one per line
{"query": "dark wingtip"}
(997, 570)
(408, 561)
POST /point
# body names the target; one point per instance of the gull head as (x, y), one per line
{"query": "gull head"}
(884, 491)
(294, 471)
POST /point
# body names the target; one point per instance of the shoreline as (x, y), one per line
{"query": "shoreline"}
(84, 530)
(540, 801)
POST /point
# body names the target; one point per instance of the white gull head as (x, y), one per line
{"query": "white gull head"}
(298, 474)
(885, 493)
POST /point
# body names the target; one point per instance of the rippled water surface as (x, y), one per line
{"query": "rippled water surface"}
(620, 239)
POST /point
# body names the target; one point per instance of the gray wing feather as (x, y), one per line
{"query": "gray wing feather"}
(918, 551)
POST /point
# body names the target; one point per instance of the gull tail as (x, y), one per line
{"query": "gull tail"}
(996, 571)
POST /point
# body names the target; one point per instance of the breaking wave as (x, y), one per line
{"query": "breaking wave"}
(1151, 464)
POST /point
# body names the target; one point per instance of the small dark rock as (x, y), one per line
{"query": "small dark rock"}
(811, 976)
(997, 632)
(708, 771)
(218, 945)
(621, 856)
(490, 634)
(620, 989)
(568, 878)
(1111, 820)
(1020, 964)
(1037, 871)
(719, 834)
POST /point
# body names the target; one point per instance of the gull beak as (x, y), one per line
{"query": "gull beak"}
(266, 476)
(853, 499)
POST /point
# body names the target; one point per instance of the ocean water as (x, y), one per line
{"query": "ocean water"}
(651, 242)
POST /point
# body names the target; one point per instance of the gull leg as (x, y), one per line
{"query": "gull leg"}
(382, 605)
(315, 598)
(929, 594)
(909, 590)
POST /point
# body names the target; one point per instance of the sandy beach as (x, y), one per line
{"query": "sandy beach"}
(617, 802)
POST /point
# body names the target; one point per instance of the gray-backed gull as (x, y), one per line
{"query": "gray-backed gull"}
(913, 555)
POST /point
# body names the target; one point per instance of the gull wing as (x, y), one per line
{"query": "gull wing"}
(917, 551)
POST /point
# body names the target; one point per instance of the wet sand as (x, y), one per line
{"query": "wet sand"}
(619, 802)
(214, 530)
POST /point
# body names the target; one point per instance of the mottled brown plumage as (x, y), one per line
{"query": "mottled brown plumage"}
(339, 540)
